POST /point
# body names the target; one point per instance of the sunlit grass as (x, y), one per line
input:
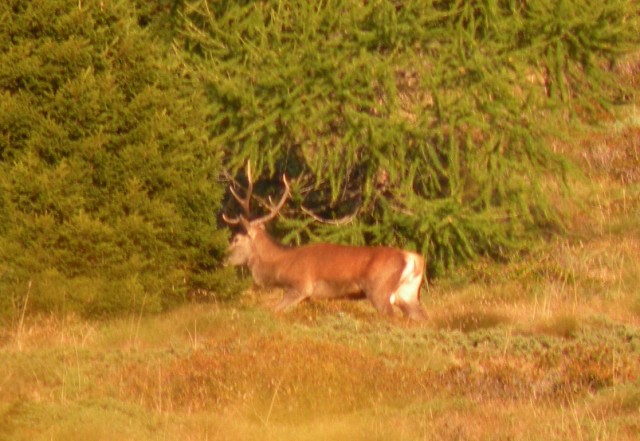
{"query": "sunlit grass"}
(326, 371)
(545, 346)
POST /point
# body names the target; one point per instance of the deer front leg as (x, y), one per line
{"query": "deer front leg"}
(291, 298)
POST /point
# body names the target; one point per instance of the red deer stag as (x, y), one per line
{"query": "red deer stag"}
(386, 276)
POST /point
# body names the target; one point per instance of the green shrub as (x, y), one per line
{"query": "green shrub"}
(108, 180)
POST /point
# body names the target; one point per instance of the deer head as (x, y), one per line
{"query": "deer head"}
(241, 249)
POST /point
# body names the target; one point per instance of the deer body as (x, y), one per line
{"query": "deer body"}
(386, 276)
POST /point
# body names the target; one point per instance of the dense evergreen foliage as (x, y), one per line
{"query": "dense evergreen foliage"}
(421, 123)
(425, 118)
(108, 181)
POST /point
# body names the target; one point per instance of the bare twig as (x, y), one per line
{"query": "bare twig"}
(341, 221)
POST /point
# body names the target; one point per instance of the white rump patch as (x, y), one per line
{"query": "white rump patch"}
(410, 280)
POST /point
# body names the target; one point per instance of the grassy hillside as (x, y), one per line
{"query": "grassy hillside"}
(328, 371)
(545, 347)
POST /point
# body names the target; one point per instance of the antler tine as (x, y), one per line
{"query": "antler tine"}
(249, 182)
(285, 195)
(245, 202)
(231, 220)
(275, 209)
(238, 220)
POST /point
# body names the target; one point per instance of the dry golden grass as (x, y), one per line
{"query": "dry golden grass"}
(326, 371)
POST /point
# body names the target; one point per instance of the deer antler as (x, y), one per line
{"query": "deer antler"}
(245, 202)
(275, 209)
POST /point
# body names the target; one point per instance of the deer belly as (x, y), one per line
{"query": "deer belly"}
(409, 285)
(330, 290)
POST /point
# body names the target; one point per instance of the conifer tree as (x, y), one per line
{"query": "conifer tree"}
(108, 180)
(421, 123)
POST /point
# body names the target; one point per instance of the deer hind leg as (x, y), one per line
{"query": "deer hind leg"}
(407, 293)
(407, 299)
(380, 300)
(378, 293)
(413, 311)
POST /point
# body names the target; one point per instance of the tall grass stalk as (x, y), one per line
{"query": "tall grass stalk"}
(20, 330)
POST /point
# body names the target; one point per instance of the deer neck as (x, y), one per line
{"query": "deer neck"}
(267, 252)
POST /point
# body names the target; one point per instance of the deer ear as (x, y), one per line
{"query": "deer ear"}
(253, 230)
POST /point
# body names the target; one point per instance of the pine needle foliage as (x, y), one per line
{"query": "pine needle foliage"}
(426, 119)
(108, 181)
